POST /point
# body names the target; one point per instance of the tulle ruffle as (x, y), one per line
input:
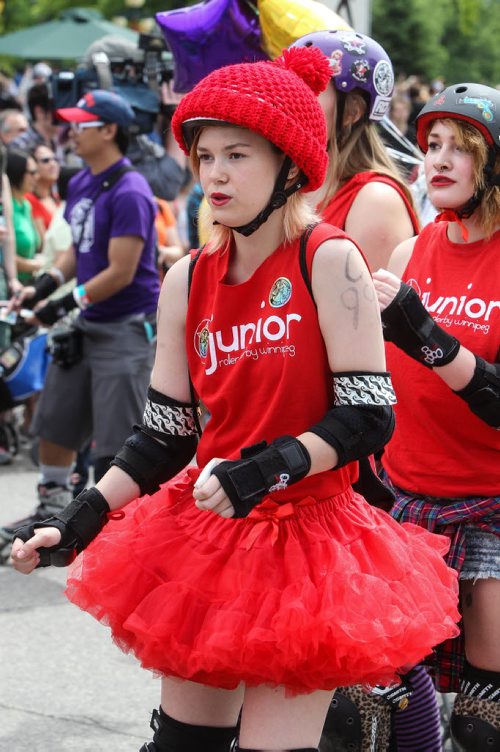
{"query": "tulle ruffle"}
(310, 595)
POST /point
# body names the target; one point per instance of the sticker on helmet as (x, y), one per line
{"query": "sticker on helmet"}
(486, 106)
(354, 44)
(336, 62)
(380, 107)
(360, 70)
(383, 78)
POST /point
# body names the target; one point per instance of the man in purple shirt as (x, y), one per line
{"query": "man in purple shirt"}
(96, 387)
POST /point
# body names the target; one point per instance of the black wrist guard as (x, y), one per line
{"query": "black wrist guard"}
(263, 468)
(44, 286)
(407, 323)
(362, 420)
(482, 393)
(56, 309)
(162, 445)
(78, 523)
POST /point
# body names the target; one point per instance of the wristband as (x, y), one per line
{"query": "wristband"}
(81, 298)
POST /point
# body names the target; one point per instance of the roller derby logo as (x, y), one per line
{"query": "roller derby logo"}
(281, 292)
(451, 310)
(251, 340)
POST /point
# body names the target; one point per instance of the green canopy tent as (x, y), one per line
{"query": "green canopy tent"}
(66, 38)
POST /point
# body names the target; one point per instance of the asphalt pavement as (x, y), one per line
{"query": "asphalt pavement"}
(64, 685)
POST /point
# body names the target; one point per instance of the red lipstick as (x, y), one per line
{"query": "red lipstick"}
(219, 199)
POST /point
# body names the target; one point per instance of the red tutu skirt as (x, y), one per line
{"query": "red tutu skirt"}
(310, 595)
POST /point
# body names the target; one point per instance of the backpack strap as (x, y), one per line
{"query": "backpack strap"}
(195, 401)
(322, 231)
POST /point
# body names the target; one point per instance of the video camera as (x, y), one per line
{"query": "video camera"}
(134, 72)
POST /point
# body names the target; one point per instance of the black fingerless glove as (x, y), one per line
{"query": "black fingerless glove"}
(56, 309)
(263, 468)
(407, 323)
(79, 523)
(44, 286)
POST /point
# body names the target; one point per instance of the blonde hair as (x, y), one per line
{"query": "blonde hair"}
(357, 148)
(297, 214)
(471, 140)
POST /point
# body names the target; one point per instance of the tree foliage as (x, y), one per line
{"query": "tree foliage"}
(456, 40)
(18, 14)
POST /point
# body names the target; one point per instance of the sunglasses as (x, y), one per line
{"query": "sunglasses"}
(79, 127)
(47, 160)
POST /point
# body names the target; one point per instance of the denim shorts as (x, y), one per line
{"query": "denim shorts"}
(101, 396)
(482, 555)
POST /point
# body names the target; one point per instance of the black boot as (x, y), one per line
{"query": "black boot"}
(174, 736)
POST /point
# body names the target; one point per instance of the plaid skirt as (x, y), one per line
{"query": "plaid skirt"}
(448, 517)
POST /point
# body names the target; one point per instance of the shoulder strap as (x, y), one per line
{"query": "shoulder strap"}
(113, 178)
(192, 264)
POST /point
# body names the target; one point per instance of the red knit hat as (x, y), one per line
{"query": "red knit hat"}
(276, 99)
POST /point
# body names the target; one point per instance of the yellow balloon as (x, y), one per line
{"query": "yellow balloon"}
(282, 22)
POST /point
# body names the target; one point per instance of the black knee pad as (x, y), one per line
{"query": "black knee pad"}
(175, 736)
(471, 734)
(342, 731)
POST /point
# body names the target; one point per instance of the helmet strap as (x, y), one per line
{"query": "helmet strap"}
(279, 197)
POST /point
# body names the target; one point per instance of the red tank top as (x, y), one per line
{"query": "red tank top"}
(340, 205)
(257, 358)
(440, 447)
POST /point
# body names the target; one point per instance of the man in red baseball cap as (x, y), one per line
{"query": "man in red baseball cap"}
(99, 105)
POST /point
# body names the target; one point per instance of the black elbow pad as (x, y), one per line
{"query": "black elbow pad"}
(162, 445)
(362, 420)
(482, 393)
(356, 431)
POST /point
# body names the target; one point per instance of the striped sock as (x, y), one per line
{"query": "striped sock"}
(418, 727)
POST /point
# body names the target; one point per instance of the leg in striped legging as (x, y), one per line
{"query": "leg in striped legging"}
(417, 728)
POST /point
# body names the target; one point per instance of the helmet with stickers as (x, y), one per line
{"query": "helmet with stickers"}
(357, 62)
(476, 104)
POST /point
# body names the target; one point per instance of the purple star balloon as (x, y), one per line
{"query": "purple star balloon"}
(208, 35)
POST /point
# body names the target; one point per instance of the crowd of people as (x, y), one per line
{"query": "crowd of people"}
(293, 428)
(40, 156)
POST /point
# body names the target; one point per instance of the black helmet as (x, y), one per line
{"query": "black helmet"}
(476, 104)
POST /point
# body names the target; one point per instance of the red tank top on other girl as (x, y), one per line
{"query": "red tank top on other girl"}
(257, 358)
(340, 205)
(440, 447)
